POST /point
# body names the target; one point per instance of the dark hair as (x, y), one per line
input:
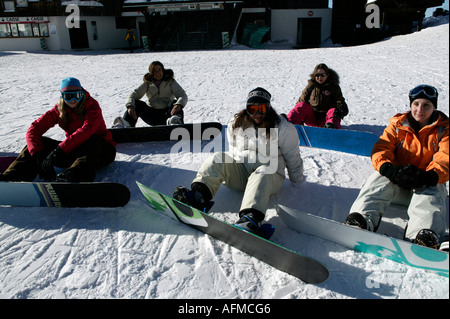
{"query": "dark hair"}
(244, 121)
(167, 73)
(332, 75)
(152, 66)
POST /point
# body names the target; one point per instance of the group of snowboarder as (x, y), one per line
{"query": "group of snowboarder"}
(411, 158)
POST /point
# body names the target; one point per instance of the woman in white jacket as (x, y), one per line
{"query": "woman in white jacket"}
(262, 145)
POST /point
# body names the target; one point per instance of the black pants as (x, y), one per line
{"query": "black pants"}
(83, 161)
(150, 115)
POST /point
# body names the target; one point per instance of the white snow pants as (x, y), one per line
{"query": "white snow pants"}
(220, 168)
(426, 205)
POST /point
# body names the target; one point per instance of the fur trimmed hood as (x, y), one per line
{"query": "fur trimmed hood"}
(168, 75)
(333, 78)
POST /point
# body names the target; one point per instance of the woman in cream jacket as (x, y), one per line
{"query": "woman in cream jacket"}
(165, 99)
(262, 145)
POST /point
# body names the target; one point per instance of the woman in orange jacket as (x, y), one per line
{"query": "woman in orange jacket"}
(412, 163)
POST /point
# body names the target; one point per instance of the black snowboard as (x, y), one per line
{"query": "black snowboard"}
(192, 131)
(63, 194)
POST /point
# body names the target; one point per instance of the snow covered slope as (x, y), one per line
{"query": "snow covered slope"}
(132, 252)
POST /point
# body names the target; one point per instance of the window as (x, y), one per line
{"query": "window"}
(8, 6)
(14, 31)
(26, 27)
(21, 3)
(5, 30)
(43, 29)
(24, 30)
(35, 28)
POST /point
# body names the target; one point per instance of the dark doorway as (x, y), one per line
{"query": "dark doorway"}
(79, 37)
(309, 32)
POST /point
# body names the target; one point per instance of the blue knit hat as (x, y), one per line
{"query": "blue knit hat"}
(70, 84)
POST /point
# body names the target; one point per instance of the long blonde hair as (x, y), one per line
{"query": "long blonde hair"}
(63, 113)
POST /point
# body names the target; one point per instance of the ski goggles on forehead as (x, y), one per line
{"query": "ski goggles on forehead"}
(423, 90)
(257, 108)
(70, 96)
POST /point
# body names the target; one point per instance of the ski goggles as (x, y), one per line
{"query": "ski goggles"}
(427, 91)
(252, 109)
(70, 96)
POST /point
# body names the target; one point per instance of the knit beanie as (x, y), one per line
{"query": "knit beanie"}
(258, 95)
(70, 84)
(424, 92)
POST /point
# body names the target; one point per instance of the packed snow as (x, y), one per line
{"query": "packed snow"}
(135, 252)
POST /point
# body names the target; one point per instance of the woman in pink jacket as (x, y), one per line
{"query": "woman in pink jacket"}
(321, 103)
(88, 144)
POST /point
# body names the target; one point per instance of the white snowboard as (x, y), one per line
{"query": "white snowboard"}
(380, 245)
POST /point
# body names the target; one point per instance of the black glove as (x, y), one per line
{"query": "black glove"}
(414, 178)
(407, 177)
(339, 113)
(47, 170)
(390, 171)
(428, 178)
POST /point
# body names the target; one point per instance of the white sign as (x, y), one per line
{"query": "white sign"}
(185, 7)
(24, 20)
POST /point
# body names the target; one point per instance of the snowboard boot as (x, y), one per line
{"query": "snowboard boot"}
(67, 176)
(198, 197)
(76, 175)
(174, 120)
(250, 220)
(360, 221)
(120, 123)
(427, 238)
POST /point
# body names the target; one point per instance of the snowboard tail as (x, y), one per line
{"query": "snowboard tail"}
(368, 242)
(302, 267)
(63, 194)
(192, 131)
(347, 141)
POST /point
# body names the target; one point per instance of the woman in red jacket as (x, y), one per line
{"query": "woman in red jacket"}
(88, 144)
